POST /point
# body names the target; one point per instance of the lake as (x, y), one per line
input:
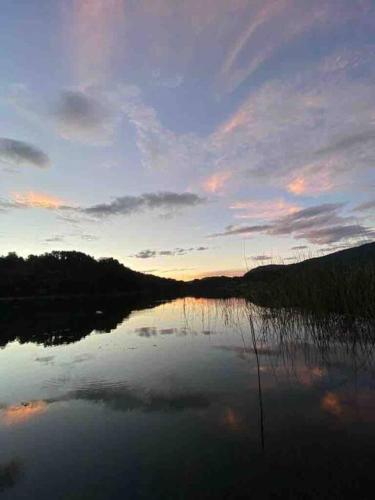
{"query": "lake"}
(191, 398)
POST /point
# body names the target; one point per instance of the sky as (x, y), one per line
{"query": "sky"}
(187, 138)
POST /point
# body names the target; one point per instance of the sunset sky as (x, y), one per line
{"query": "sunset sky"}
(187, 138)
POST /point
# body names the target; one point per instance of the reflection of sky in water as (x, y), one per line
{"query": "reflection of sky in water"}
(175, 388)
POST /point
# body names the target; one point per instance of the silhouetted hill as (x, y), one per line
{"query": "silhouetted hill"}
(341, 281)
(74, 273)
(350, 257)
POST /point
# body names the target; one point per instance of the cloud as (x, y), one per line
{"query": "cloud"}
(315, 216)
(333, 234)
(319, 224)
(150, 254)
(126, 205)
(263, 209)
(6, 205)
(89, 237)
(124, 398)
(91, 28)
(22, 154)
(260, 258)
(216, 182)
(145, 254)
(312, 179)
(364, 207)
(32, 199)
(348, 142)
(272, 25)
(167, 201)
(54, 239)
(274, 135)
(238, 230)
(300, 247)
(84, 118)
(298, 132)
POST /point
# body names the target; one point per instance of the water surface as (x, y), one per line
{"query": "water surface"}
(194, 398)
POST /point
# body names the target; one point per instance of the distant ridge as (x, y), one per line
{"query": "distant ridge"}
(349, 256)
(342, 281)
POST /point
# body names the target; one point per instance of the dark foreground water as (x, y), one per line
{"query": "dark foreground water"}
(188, 399)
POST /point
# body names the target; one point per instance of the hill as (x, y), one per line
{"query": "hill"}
(341, 281)
(62, 273)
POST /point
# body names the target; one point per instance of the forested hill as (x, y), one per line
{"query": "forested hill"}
(75, 273)
(342, 281)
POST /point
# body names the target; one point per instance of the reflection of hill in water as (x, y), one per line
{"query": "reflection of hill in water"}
(64, 321)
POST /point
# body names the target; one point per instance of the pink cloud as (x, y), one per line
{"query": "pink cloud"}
(264, 210)
(94, 25)
(313, 179)
(32, 199)
(216, 182)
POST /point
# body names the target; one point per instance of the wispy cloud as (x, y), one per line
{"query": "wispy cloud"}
(261, 258)
(365, 207)
(233, 230)
(300, 247)
(274, 24)
(32, 199)
(91, 27)
(263, 209)
(54, 239)
(16, 153)
(166, 201)
(150, 254)
(327, 235)
(319, 224)
(216, 182)
(126, 205)
(348, 142)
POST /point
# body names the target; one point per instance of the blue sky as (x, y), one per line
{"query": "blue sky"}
(187, 138)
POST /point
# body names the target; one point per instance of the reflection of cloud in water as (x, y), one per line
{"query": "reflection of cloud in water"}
(120, 398)
(146, 331)
(308, 376)
(331, 404)
(358, 406)
(81, 358)
(152, 331)
(9, 473)
(232, 420)
(18, 414)
(167, 331)
(241, 351)
(124, 398)
(45, 359)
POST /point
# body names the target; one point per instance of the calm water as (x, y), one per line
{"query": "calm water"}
(186, 399)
